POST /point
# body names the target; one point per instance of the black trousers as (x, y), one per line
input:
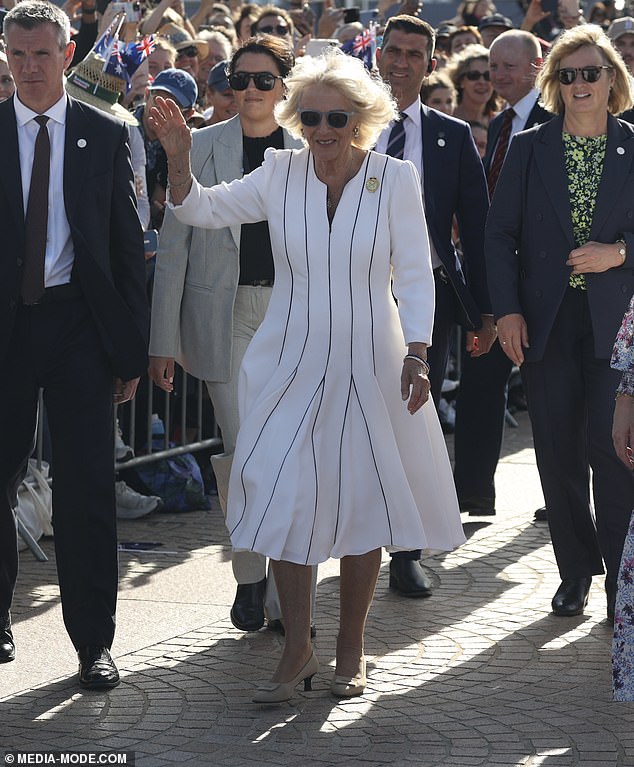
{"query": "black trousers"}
(56, 346)
(480, 412)
(438, 353)
(570, 397)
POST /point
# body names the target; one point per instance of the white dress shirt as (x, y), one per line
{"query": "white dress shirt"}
(60, 254)
(413, 152)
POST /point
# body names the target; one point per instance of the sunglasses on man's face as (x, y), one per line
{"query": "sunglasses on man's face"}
(474, 76)
(336, 118)
(274, 29)
(190, 52)
(263, 81)
(568, 75)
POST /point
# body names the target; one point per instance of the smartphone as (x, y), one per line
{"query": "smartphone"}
(550, 6)
(132, 11)
(150, 241)
(351, 14)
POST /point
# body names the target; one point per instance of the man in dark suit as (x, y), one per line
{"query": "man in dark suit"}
(515, 58)
(453, 184)
(73, 320)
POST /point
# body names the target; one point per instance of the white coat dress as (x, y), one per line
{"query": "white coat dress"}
(328, 461)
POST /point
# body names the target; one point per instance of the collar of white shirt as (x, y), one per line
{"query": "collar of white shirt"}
(57, 112)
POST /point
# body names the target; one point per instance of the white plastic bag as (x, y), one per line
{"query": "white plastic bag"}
(35, 505)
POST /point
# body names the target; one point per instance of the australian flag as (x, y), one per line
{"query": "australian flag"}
(363, 47)
(134, 53)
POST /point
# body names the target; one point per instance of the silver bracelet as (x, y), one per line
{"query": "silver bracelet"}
(420, 360)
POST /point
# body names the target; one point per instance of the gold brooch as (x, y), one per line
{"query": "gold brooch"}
(372, 184)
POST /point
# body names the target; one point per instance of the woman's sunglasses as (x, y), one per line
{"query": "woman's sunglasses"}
(336, 118)
(279, 29)
(191, 52)
(263, 81)
(475, 76)
(568, 75)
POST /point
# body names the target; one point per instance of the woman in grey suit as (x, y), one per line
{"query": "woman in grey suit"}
(211, 288)
(560, 252)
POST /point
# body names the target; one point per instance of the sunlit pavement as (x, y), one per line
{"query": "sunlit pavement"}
(479, 674)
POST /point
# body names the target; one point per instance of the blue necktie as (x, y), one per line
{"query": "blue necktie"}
(396, 140)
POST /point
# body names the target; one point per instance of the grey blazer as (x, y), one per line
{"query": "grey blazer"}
(197, 269)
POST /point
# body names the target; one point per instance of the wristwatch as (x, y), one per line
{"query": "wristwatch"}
(622, 249)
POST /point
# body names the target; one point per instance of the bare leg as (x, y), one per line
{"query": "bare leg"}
(294, 589)
(357, 583)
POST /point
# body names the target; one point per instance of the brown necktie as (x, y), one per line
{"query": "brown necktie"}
(36, 221)
(500, 150)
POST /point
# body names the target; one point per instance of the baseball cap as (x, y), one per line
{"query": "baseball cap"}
(180, 84)
(496, 20)
(619, 27)
(217, 78)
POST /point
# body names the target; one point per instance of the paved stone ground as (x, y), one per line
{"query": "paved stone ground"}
(479, 674)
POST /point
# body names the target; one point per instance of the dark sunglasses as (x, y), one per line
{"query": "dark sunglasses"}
(263, 81)
(568, 75)
(336, 118)
(475, 76)
(191, 52)
(279, 29)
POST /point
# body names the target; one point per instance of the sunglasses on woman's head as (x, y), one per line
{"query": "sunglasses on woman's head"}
(568, 75)
(277, 29)
(336, 118)
(263, 81)
(191, 52)
(475, 76)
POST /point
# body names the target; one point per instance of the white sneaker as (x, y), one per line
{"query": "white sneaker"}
(122, 452)
(132, 505)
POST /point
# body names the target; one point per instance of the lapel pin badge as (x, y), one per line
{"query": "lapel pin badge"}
(620, 150)
(372, 184)
(441, 142)
(81, 143)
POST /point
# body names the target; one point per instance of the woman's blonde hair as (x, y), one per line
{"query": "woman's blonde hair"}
(570, 41)
(368, 95)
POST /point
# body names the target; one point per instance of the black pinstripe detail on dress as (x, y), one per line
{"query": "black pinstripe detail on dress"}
(294, 373)
(290, 302)
(376, 229)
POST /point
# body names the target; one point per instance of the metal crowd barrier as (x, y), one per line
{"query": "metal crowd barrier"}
(169, 447)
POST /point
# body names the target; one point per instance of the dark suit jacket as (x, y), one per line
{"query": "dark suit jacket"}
(105, 229)
(455, 185)
(537, 116)
(529, 234)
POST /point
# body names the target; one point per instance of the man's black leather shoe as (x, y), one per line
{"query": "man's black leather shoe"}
(571, 597)
(7, 645)
(477, 507)
(96, 668)
(541, 514)
(408, 578)
(247, 612)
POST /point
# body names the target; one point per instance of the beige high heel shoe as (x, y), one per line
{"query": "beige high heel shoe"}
(278, 692)
(347, 686)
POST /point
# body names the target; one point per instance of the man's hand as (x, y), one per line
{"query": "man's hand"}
(480, 341)
(513, 337)
(124, 390)
(595, 257)
(161, 371)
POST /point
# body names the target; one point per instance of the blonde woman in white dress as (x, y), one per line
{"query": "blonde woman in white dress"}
(340, 452)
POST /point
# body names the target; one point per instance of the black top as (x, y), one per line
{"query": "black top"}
(256, 258)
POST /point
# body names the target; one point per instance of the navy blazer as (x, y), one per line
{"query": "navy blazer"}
(455, 184)
(529, 234)
(536, 116)
(107, 237)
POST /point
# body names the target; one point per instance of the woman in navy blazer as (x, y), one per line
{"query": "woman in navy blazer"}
(560, 258)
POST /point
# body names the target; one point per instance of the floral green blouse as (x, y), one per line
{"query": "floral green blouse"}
(583, 156)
